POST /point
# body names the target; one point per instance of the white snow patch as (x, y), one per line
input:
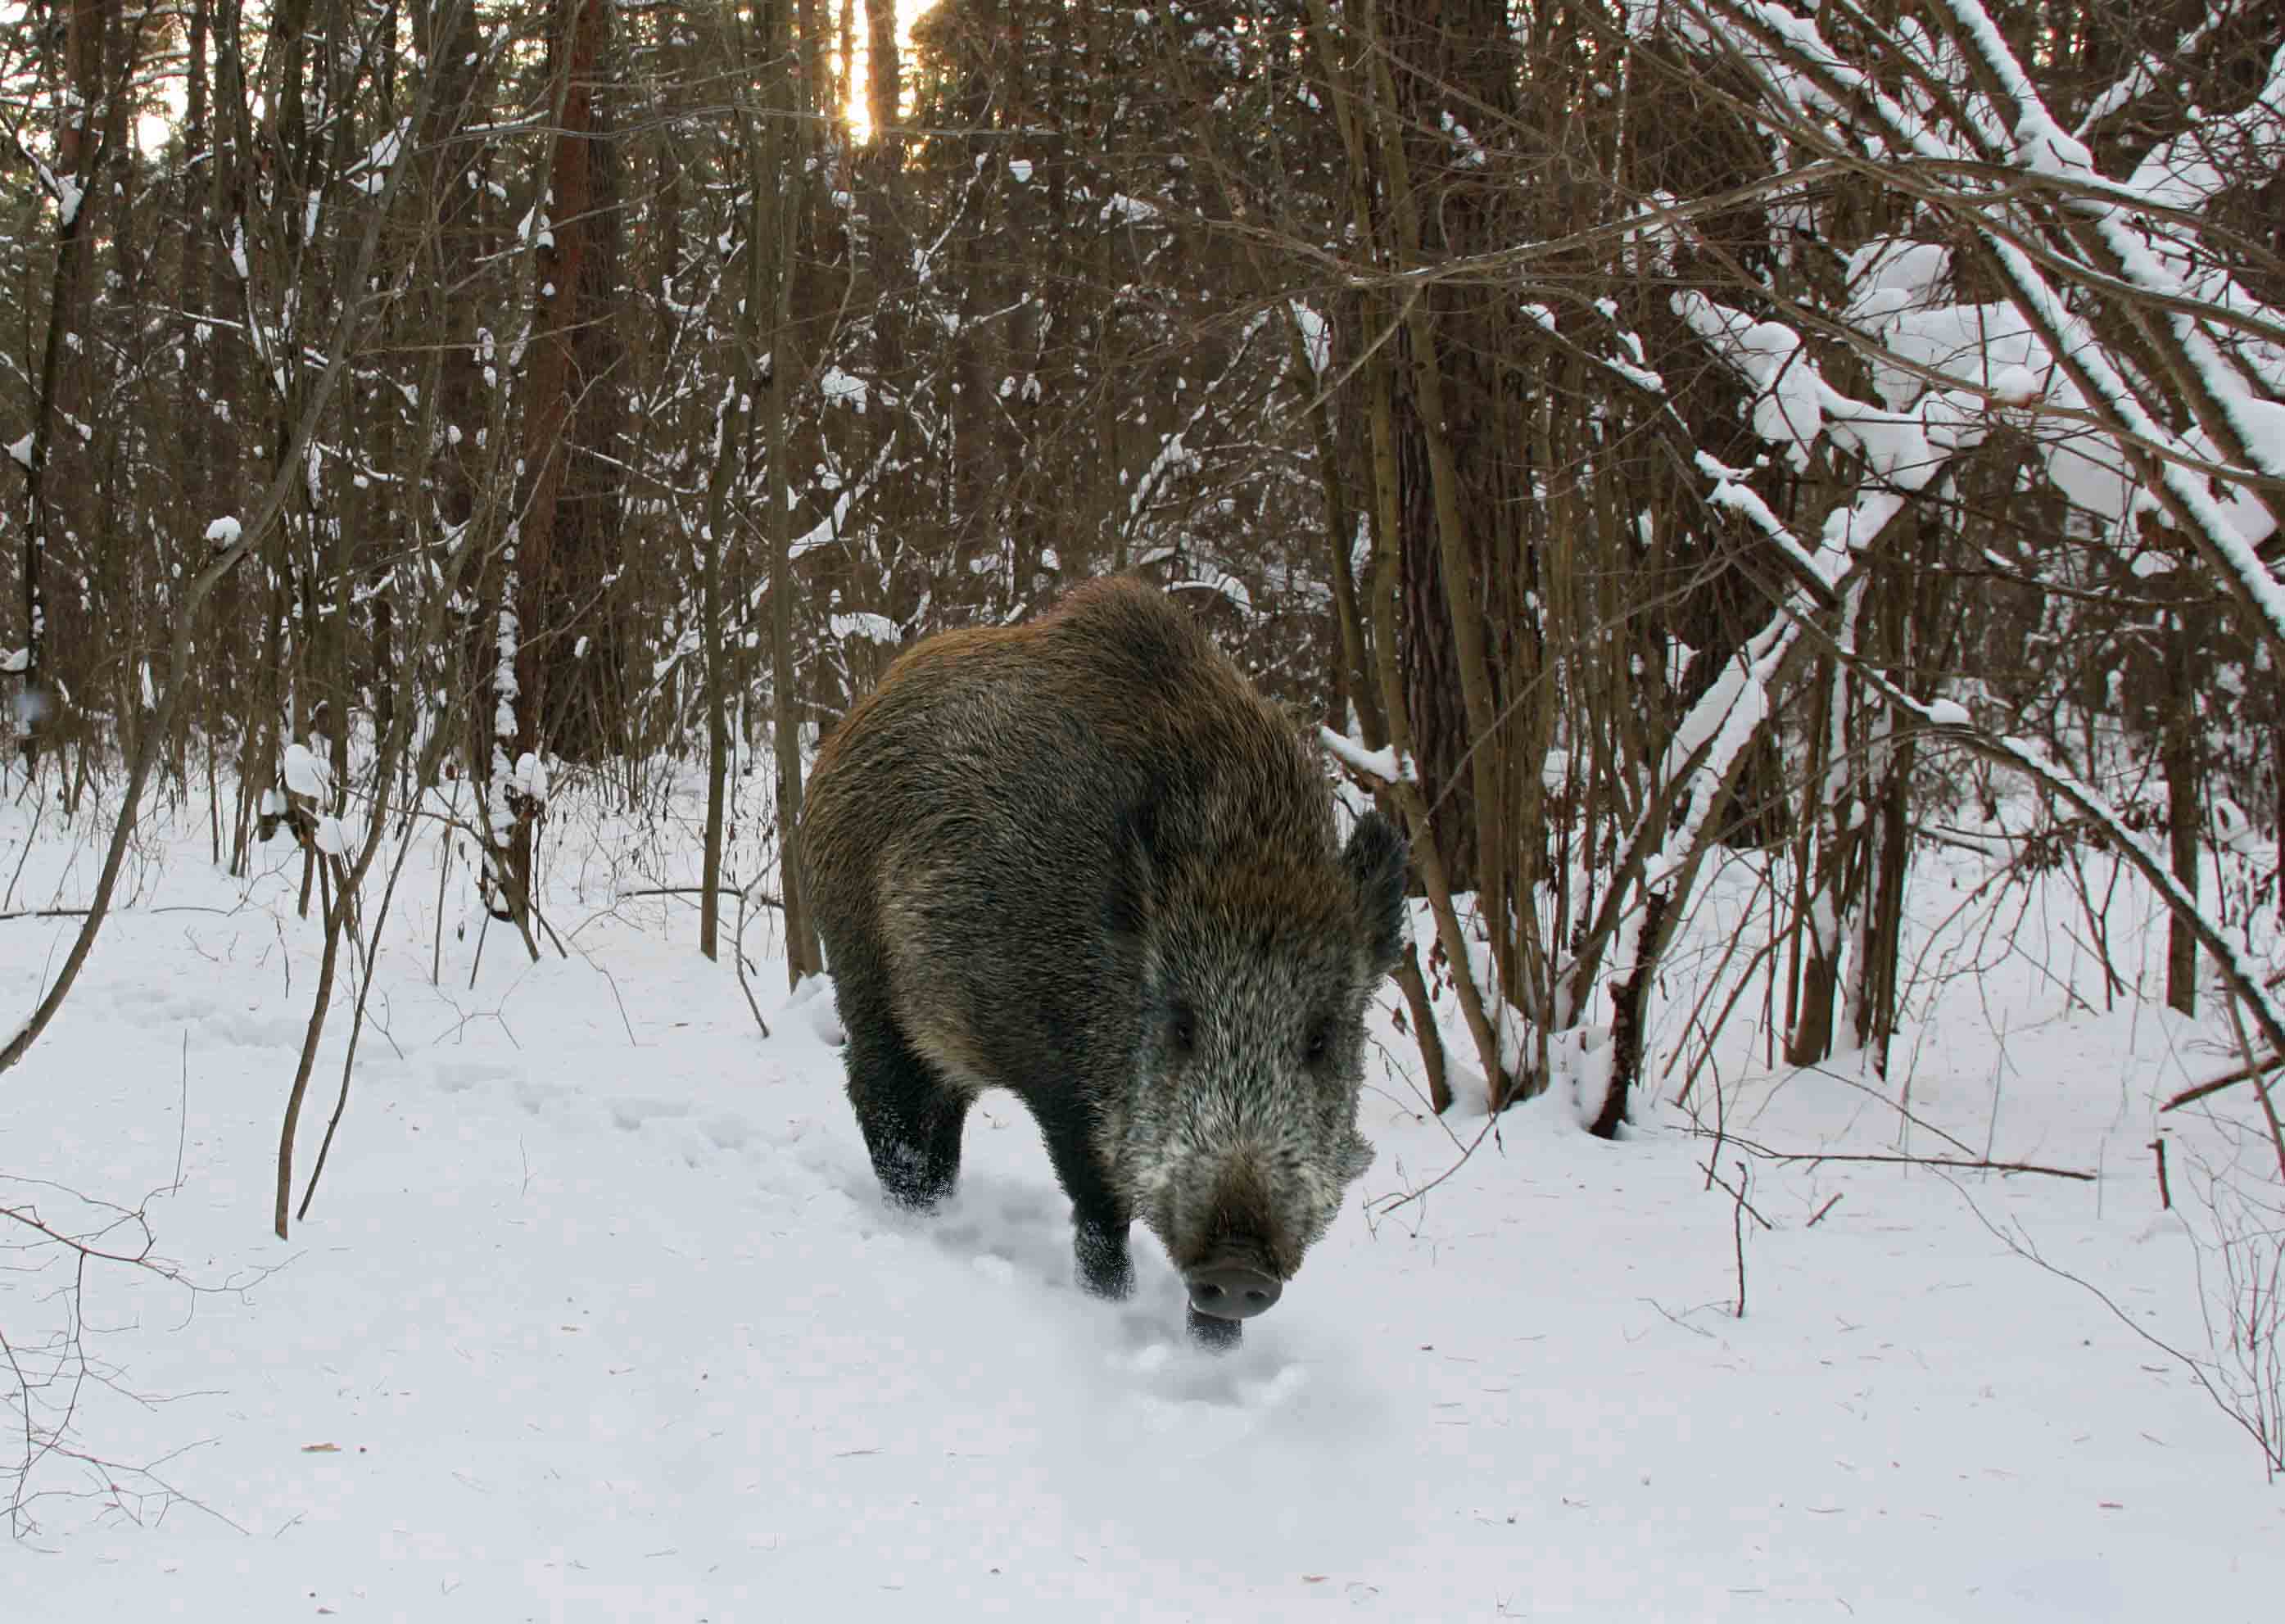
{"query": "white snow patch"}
(1383, 765)
(874, 628)
(307, 773)
(643, 1340)
(1317, 337)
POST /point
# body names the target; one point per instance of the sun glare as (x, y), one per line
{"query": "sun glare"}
(155, 127)
(857, 107)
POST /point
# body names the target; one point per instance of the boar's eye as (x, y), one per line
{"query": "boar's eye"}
(1319, 1043)
(1182, 1029)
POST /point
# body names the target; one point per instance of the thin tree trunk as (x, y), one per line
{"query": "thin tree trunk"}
(715, 654)
(1830, 892)
(2178, 755)
(336, 911)
(57, 469)
(1880, 938)
(1359, 683)
(541, 621)
(778, 187)
(1380, 388)
(1630, 1009)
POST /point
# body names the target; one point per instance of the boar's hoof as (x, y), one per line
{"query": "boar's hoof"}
(1216, 1335)
(1230, 1290)
(1105, 1270)
(913, 1182)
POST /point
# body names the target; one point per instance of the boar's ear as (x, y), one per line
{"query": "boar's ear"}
(1377, 859)
(1133, 877)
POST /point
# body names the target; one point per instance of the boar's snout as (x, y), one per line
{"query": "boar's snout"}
(1229, 1290)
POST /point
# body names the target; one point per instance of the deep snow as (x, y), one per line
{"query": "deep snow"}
(598, 1315)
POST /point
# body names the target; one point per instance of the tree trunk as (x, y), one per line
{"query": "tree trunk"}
(714, 641)
(535, 623)
(61, 495)
(1348, 79)
(1630, 1009)
(780, 187)
(1881, 937)
(1357, 674)
(884, 81)
(1832, 887)
(2179, 756)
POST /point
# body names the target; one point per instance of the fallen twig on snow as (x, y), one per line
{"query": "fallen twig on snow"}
(1390, 1203)
(738, 960)
(2257, 1425)
(2227, 1079)
(1956, 1163)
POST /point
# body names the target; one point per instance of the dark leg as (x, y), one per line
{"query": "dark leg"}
(911, 1118)
(1104, 1267)
(1216, 1336)
(1099, 1218)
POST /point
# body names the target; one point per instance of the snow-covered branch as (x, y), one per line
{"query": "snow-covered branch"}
(2072, 366)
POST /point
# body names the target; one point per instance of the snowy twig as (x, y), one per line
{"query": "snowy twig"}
(2260, 1091)
(358, 1016)
(52, 1377)
(1764, 38)
(2244, 982)
(1390, 1203)
(738, 959)
(2227, 1079)
(762, 899)
(1957, 1164)
(1373, 769)
(1738, 1228)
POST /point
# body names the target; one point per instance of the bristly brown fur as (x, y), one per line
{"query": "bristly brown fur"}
(1034, 847)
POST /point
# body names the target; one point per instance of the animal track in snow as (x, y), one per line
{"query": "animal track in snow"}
(461, 1076)
(1020, 1227)
(632, 1114)
(159, 1005)
(727, 1130)
(245, 1029)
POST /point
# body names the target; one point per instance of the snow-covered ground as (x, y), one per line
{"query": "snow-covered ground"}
(597, 1315)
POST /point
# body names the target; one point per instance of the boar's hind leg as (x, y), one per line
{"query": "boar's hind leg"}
(1100, 1220)
(911, 1117)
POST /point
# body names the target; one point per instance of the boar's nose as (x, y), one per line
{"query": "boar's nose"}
(1230, 1290)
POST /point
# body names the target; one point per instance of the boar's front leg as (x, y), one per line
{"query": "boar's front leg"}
(1216, 1335)
(1100, 1220)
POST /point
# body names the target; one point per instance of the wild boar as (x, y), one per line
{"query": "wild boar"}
(1083, 860)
